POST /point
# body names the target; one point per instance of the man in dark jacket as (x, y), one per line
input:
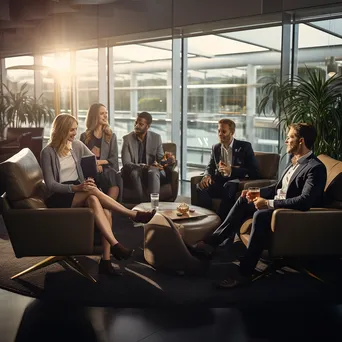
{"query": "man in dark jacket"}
(300, 187)
(230, 161)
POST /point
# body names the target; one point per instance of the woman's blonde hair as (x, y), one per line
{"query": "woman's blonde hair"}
(92, 122)
(60, 132)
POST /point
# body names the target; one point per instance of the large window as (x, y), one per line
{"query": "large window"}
(142, 82)
(220, 78)
(57, 81)
(320, 46)
(15, 76)
(87, 83)
(222, 82)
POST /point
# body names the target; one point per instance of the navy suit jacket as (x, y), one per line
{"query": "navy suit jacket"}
(306, 187)
(243, 159)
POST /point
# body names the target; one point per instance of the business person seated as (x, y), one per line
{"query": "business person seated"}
(141, 154)
(100, 140)
(300, 187)
(60, 161)
(230, 160)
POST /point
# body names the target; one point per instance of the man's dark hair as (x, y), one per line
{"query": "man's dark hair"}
(305, 131)
(147, 116)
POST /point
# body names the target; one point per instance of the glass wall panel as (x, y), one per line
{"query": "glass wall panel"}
(318, 41)
(57, 80)
(223, 76)
(142, 82)
(15, 78)
(87, 83)
(56, 84)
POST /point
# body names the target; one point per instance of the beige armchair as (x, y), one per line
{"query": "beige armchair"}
(307, 234)
(268, 173)
(168, 191)
(34, 229)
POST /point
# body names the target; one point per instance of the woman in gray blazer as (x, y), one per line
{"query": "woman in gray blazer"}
(100, 139)
(60, 161)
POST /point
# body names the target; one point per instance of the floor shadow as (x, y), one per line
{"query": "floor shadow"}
(53, 321)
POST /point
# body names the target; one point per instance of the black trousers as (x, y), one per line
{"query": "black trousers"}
(260, 234)
(219, 189)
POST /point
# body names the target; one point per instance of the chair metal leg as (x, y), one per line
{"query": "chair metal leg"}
(306, 271)
(46, 262)
(70, 261)
(73, 263)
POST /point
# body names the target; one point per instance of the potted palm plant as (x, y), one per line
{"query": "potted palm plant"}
(310, 98)
(25, 114)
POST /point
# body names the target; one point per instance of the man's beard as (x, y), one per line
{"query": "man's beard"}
(139, 131)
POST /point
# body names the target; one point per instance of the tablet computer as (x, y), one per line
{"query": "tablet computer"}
(89, 168)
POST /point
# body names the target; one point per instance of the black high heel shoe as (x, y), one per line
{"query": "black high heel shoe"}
(120, 252)
(144, 216)
(106, 268)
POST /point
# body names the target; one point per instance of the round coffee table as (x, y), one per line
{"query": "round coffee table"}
(192, 229)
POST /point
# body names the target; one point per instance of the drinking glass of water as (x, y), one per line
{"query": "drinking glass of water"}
(155, 201)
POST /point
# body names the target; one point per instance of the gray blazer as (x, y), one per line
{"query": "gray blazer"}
(109, 151)
(51, 166)
(130, 148)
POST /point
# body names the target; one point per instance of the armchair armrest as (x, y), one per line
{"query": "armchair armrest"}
(316, 232)
(194, 196)
(119, 182)
(174, 182)
(260, 183)
(55, 231)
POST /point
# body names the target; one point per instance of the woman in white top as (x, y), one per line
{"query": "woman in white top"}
(60, 161)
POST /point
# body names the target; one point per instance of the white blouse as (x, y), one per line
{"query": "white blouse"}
(68, 171)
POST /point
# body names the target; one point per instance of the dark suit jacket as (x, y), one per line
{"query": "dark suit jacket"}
(306, 187)
(243, 159)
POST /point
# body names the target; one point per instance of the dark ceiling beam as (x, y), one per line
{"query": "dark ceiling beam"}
(4, 10)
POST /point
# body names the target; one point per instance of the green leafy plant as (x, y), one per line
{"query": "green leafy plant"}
(18, 109)
(3, 116)
(16, 105)
(37, 112)
(312, 99)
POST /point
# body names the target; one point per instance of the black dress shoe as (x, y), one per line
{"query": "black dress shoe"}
(232, 282)
(144, 216)
(106, 268)
(201, 250)
(120, 252)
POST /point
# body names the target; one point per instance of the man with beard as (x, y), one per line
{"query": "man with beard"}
(141, 153)
(230, 161)
(300, 187)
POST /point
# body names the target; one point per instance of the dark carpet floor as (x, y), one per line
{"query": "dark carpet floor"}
(142, 286)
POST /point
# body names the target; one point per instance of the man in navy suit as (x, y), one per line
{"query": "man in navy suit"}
(300, 187)
(230, 161)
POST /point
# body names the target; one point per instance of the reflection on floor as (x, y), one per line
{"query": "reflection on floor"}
(26, 319)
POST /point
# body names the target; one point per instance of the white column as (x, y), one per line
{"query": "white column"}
(103, 93)
(111, 89)
(73, 85)
(134, 95)
(169, 94)
(38, 77)
(3, 74)
(250, 103)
